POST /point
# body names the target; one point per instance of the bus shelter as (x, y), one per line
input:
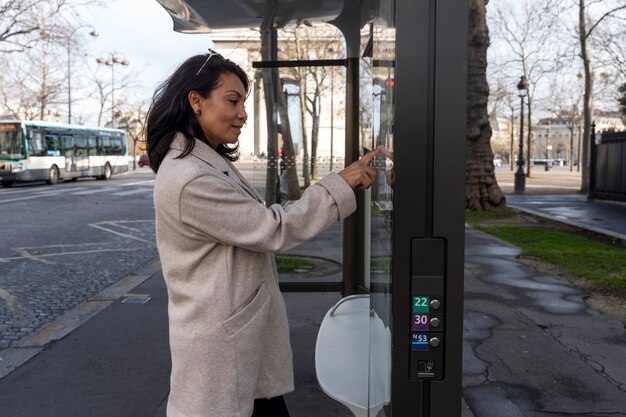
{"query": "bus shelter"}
(393, 345)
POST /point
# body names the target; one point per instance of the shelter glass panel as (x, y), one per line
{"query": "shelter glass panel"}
(381, 103)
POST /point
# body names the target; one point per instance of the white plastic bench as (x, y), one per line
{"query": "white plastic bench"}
(342, 356)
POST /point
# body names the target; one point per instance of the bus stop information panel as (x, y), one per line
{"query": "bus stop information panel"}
(428, 306)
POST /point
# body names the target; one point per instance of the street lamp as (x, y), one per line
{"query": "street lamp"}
(94, 34)
(68, 46)
(111, 61)
(520, 177)
(548, 146)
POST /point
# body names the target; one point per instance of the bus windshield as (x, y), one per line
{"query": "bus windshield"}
(11, 142)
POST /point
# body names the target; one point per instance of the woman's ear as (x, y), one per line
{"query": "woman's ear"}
(194, 102)
(194, 98)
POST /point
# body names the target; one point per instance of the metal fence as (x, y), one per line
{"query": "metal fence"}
(608, 166)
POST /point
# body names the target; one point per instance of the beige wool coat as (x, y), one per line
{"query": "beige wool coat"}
(229, 335)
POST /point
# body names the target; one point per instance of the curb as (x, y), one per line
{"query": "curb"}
(570, 222)
(30, 346)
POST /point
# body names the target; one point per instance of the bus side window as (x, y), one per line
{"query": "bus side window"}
(106, 145)
(67, 142)
(36, 145)
(117, 147)
(123, 144)
(52, 145)
(92, 145)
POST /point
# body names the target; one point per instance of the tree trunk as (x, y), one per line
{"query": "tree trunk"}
(315, 133)
(305, 145)
(587, 100)
(481, 188)
(529, 139)
(571, 149)
(257, 105)
(270, 77)
(512, 151)
(293, 187)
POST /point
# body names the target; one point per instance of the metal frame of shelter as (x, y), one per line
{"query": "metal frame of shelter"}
(430, 68)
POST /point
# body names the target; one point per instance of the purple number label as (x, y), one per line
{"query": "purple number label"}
(419, 322)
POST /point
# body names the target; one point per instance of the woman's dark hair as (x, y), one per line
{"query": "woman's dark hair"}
(171, 113)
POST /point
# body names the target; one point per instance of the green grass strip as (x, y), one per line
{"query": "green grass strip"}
(289, 264)
(381, 264)
(598, 262)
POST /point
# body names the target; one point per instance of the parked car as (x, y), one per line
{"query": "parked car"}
(144, 161)
(497, 162)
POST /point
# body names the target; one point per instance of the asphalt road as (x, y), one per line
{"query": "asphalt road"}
(65, 243)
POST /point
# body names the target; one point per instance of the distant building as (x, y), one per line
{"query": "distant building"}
(503, 131)
(557, 137)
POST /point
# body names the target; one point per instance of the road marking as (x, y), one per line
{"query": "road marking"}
(49, 255)
(133, 191)
(32, 257)
(75, 191)
(41, 190)
(138, 183)
(93, 191)
(59, 191)
(103, 226)
(10, 301)
(30, 197)
(50, 251)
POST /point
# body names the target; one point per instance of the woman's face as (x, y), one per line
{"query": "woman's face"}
(222, 113)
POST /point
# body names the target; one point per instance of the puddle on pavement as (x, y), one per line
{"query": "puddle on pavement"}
(494, 250)
(550, 297)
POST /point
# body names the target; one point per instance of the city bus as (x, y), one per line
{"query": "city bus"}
(53, 152)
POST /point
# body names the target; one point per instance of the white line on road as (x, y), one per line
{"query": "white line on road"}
(49, 255)
(93, 191)
(29, 197)
(101, 226)
(10, 301)
(133, 191)
(138, 183)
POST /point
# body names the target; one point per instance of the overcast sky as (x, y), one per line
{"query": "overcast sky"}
(141, 31)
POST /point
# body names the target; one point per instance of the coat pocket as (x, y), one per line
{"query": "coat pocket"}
(239, 319)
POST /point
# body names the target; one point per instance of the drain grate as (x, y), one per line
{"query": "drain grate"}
(135, 298)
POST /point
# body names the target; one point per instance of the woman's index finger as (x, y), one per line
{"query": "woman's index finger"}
(371, 155)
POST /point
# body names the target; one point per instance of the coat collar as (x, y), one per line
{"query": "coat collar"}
(210, 156)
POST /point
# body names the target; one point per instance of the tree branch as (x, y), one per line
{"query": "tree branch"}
(607, 14)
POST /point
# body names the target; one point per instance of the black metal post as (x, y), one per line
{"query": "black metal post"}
(592, 160)
(520, 177)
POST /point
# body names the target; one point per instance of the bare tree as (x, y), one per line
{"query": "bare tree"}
(33, 81)
(622, 101)
(308, 43)
(131, 118)
(275, 105)
(532, 48)
(591, 15)
(22, 21)
(503, 101)
(565, 103)
(127, 80)
(481, 188)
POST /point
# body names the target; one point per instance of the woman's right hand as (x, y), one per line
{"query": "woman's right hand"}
(358, 175)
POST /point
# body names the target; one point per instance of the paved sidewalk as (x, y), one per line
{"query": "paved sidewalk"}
(532, 347)
(601, 216)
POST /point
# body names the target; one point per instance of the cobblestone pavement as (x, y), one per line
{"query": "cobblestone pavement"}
(41, 280)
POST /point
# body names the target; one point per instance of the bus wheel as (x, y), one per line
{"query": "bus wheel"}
(53, 175)
(106, 175)
(6, 184)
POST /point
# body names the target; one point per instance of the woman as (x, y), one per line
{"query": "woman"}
(229, 335)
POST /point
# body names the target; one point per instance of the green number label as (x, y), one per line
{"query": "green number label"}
(421, 304)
